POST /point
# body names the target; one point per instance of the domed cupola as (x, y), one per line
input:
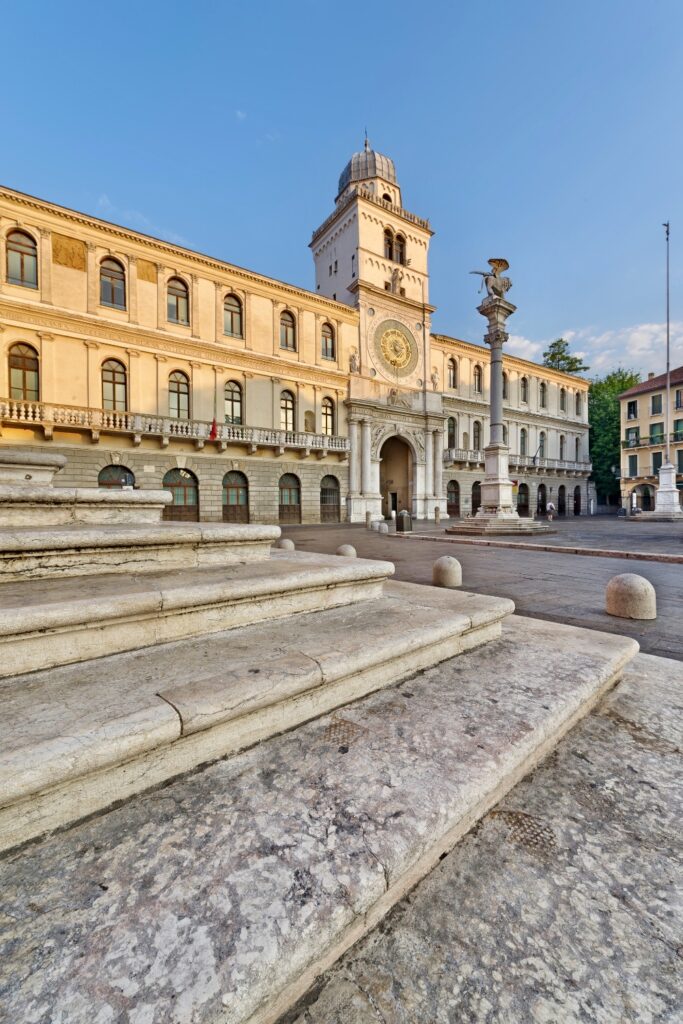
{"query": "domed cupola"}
(368, 166)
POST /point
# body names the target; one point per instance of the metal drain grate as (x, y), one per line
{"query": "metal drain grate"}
(528, 831)
(342, 731)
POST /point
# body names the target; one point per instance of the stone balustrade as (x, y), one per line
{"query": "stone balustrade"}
(139, 425)
(528, 462)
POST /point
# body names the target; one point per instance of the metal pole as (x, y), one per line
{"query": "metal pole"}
(668, 363)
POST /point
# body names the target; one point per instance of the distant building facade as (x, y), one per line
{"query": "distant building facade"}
(643, 434)
(149, 365)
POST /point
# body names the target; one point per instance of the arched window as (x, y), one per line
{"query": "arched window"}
(235, 498)
(24, 373)
(452, 373)
(523, 442)
(477, 379)
(286, 411)
(178, 301)
(184, 487)
(388, 244)
(400, 249)
(232, 316)
(179, 395)
(327, 342)
(22, 260)
(505, 385)
(543, 395)
(541, 444)
(233, 402)
(452, 432)
(524, 389)
(476, 497)
(476, 435)
(290, 499)
(563, 400)
(115, 477)
(287, 331)
(328, 416)
(577, 450)
(563, 445)
(387, 198)
(112, 284)
(329, 500)
(453, 499)
(577, 403)
(114, 386)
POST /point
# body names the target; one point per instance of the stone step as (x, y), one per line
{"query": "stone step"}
(39, 505)
(221, 896)
(46, 622)
(72, 737)
(79, 550)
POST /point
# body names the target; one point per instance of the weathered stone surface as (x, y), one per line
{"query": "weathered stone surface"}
(562, 905)
(447, 572)
(383, 528)
(630, 596)
(200, 902)
(347, 550)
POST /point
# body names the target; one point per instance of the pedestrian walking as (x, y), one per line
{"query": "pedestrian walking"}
(551, 511)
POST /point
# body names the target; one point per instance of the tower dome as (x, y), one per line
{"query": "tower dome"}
(367, 164)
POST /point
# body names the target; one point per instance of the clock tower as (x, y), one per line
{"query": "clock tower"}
(372, 253)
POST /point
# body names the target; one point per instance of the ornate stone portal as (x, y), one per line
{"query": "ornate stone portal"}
(497, 513)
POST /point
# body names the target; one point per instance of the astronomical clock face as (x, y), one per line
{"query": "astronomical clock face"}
(395, 348)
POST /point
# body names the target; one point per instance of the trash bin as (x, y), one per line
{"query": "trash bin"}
(404, 522)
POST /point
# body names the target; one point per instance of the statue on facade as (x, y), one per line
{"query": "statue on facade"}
(396, 278)
(496, 285)
(354, 362)
(435, 379)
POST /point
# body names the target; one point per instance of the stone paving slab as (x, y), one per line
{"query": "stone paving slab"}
(558, 549)
(563, 905)
(219, 897)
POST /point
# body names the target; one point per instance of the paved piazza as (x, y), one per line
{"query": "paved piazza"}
(544, 584)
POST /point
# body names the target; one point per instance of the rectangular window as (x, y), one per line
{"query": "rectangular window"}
(679, 399)
(656, 462)
(632, 436)
(679, 454)
(633, 465)
(678, 430)
(657, 433)
(632, 410)
(656, 405)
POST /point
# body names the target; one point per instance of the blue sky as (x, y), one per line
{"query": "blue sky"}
(548, 133)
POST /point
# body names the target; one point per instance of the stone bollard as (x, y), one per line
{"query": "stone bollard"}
(383, 528)
(368, 520)
(630, 596)
(347, 550)
(284, 544)
(375, 524)
(447, 572)
(437, 515)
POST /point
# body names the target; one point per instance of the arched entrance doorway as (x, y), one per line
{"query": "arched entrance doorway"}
(644, 498)
(476, 497)
(184, 487)
(329, 500)
(523, 500)
(453, 499)
(235, 498)
(289, 509)
(542, 500)
(562, 500)
(396, 476)
(116, 477)
(577, 500)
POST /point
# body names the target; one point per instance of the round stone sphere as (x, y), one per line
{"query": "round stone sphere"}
(630, 596)
(347, 550)
(285, 544)
(383, 528)
(447, 572)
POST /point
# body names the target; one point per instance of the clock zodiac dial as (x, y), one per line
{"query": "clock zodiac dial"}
(395, 348)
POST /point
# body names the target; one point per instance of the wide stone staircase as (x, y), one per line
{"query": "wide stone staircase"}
(136, 654)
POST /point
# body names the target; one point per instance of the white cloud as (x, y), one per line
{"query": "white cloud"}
(524, 348)
(241, 115)
(137, 220)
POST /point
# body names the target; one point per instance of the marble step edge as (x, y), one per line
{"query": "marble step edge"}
(188, 727)
(36, 636)
(84, 550)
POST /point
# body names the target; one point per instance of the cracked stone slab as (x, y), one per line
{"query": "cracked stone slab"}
(564, 904)
(216, 898)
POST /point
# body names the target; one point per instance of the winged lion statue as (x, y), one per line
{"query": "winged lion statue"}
(496, 285)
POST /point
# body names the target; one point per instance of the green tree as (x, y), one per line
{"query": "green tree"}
(559, 357)
(605, 428)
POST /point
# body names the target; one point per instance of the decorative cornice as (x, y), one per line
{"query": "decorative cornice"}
(150, 242)
(484, 353)
(86, 328)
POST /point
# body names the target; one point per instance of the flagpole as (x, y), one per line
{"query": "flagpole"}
(668, 359)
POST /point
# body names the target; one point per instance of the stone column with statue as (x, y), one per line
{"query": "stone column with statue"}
(497, 512)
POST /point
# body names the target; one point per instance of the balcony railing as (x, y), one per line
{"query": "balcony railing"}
(521, 461)
(139, 425)
(651, 440)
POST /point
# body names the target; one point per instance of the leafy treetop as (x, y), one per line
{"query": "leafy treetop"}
(558, 356)
(605, 428)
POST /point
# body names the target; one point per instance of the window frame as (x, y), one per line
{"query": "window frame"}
(452, 374)
(181, 390)
(183, 292)
(116, 275)
(287, 411)
(234, 313)
(328, 342)
(121, 368)
(29, 252)
(236, 393)
(327, 416)
(478, 380)
(288, 331)
(31, 355)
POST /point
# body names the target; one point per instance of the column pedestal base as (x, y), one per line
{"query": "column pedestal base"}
(667, 501)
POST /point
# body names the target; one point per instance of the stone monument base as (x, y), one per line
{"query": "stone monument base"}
(667, 501)
(499, 524)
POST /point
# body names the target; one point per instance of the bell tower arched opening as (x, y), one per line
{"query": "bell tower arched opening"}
(396, 476)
